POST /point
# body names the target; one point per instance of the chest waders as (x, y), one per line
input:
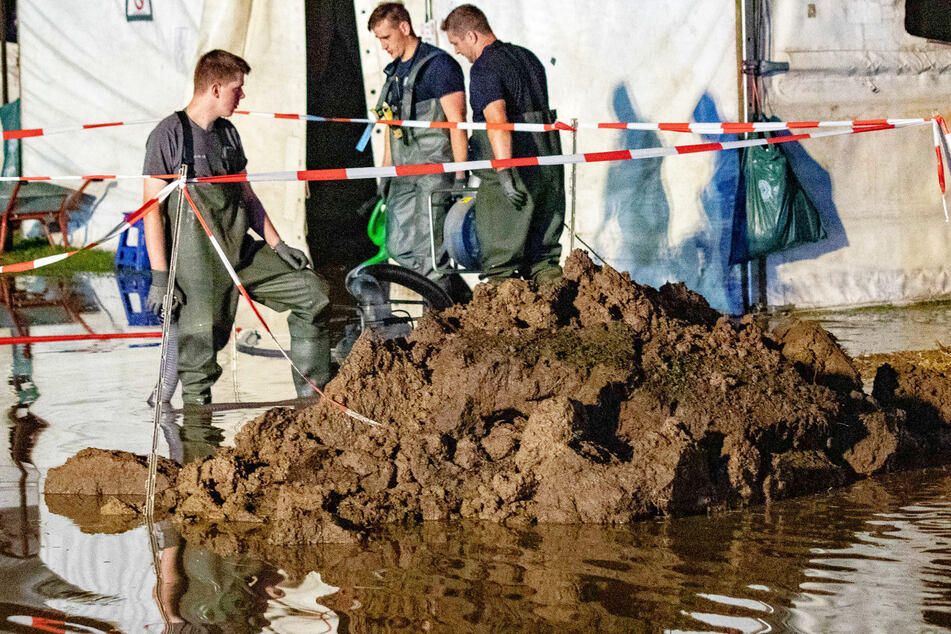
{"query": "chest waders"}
(407, 212)
(207, 314)
(522, 242)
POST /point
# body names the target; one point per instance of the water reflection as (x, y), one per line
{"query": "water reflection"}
(874, 557)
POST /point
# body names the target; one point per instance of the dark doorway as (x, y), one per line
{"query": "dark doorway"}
(336, 229)
(929, 18)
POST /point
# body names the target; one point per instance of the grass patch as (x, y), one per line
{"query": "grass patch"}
(91, 261)
(613, 346)
(676, 374)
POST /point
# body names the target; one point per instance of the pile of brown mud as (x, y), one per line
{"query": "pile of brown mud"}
(589, 400)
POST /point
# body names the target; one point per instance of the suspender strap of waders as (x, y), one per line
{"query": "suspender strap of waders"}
(188, 145)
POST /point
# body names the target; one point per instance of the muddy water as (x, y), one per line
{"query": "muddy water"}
(873, 557)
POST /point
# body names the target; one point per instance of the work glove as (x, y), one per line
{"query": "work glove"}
(156, 298)
(516, 196)
(383, 188)
(296, 258)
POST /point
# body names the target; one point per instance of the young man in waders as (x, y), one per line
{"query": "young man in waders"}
(273, 273)
(519, 211)
(425, 83)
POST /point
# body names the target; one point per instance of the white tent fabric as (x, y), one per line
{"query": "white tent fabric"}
(671, 219)
(662, 220)
(84, 63)
(81, 62)
(270, 36)
(889, 241)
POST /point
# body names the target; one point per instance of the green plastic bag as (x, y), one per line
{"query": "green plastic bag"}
(778, 214)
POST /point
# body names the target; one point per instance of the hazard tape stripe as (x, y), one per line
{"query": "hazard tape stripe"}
(357, 173)
(761, 126)
(6, 341)
(244, 293)
(941, 144)
(146, 208)
(434, 168)
(85, 177)
(354, 173)
(409, 123)
(725, 127)
(27, 133)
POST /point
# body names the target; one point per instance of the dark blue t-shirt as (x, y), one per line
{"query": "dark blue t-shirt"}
(441, 76)
(506, 71)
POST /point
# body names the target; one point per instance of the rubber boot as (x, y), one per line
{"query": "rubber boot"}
(312, 357)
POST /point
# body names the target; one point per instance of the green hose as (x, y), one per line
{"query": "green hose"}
(376, 230)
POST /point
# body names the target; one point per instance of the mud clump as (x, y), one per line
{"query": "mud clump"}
(817, 354)
(589, 400)
(103, 491)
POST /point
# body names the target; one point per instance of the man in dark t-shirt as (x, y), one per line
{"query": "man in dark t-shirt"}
(272, 272)
(425, 83)
(519, 211)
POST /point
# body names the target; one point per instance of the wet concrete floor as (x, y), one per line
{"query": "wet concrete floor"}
(872, 557)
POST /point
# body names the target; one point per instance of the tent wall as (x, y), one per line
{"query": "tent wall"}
(614, 60)
(82, 62)
(888, 239)
(675, 61)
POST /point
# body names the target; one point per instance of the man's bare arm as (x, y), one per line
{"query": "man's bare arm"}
(153, 226)
(454, 105)
(387, 159)
(500, 140)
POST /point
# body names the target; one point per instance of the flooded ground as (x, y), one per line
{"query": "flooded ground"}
(872, 557)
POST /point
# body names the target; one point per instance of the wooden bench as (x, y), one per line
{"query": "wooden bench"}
(42, 201)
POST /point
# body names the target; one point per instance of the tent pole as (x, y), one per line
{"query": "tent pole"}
(742, 103)
(573, 183)
(3, 50)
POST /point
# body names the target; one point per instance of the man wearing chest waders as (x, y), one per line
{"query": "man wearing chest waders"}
(519, 212)
(273, 273)
(425, 83)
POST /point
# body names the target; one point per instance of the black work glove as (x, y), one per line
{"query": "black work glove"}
(383, 188)
(296, 258)
(156, 298)
(516, 196)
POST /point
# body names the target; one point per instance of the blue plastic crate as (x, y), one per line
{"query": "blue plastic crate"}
(131, 252)
(134, 290)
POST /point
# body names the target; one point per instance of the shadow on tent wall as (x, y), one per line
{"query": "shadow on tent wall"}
(336, 234)
(637, 211)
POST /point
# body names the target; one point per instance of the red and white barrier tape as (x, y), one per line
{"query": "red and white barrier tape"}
(760, 126)
(8, 341)
(27, 133)
(436, 168)
(244, 293)
(20, 267)
(724, 127)
(356, 173)
(937, 151)
(945, 139)
(710, 128)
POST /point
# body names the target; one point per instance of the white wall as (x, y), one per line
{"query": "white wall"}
(891, 242)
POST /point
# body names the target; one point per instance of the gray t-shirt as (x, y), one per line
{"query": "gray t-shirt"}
(163, 150)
